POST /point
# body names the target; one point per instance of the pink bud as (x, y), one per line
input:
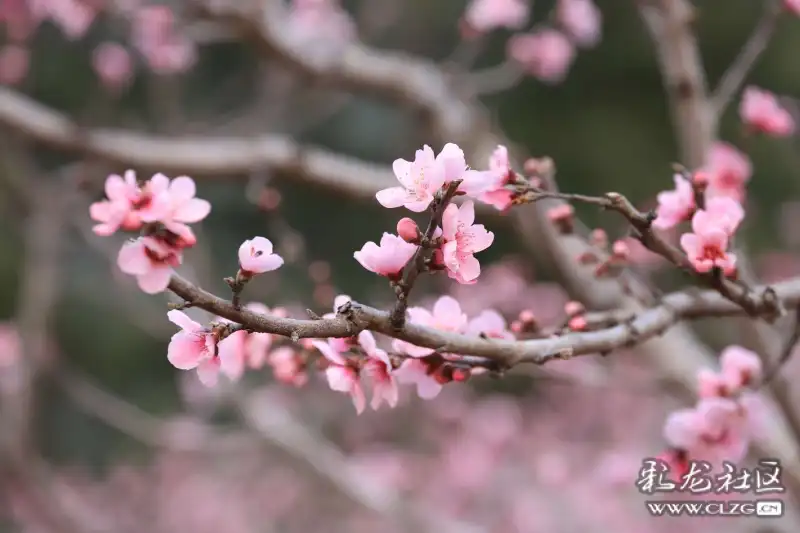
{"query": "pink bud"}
(408, 230)
(578, 323)
(700, 178)
(461, 374)
(561, 216)
(621, 250)
(573, 308)
(527, 316)
(599, 238)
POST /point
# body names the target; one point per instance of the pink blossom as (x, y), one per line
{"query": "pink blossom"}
(129, 206)
(761, 111)
(501, 174)
(486, 15)
(740, 367)
(546, 54)
(10, 345)
(176, 206)
(321, 28)
(491, 324)
(462, 239)
(793, 6)
(711, 384)
(124, 195)
(727, 170)
(722, 212)
(196, 347)
(389, 258)
(14, 62)
(707, 246)
(715, 430)
(342, 376)
(73, 16)
(258, 344)
(415, 372)
(256, 257)
(153, 33)
(151, 260)
(287, 366)
(675, 206)
(379, 368)
(446, 316)
(581, 20)
(421, 179)
(113, 65)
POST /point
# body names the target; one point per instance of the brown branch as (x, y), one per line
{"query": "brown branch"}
(734, 77)
(419, 263)
(358, 317)
(198, 156)
(670, 23)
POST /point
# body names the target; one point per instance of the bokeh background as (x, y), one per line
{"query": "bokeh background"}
(489, 451)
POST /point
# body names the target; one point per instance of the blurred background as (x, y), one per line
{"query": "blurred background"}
(119, 440)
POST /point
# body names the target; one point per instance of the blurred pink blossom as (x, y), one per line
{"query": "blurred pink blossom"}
(728, 170)
(581, 20)
(546, 54)
(14, 63)
(446, 316)
(113, 65)
(154, 34)
(486, 15)
(760, 111)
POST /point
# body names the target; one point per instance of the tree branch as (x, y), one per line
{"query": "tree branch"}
(358, 317)
(734, 77)
(199, 156)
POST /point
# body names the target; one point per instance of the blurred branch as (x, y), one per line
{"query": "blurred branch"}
(194, 155)
(670, 24)
(734, 77)
(142, 426)
(277, 425)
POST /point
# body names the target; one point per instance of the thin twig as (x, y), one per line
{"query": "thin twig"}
(734, 77)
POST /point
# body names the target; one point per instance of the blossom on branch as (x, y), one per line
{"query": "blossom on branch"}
(707, 246)
(761, 112)
(379, 368)
(462, 239)
(151, 260)
(196, 347)
(343, 376)
(675, 206)
(446, 316)
(387, 259)
(256, 257)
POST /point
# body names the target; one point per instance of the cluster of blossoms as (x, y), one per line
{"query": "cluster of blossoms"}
(458, 238)
(548, 51)
(160, 209)
(406, 363)
(154, 34)
(719, 188)
(719, 428)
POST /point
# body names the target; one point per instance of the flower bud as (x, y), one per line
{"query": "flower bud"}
(573, 308)
(562, 217)
(621, 250)
(408, 230)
